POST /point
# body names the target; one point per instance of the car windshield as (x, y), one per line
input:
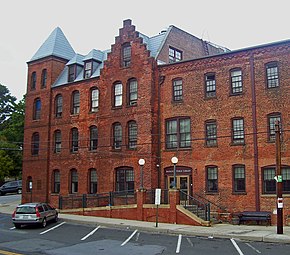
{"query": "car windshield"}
(26, 209)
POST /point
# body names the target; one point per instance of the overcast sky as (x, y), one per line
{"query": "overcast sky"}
(88, 24)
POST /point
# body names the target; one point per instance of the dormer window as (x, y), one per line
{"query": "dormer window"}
(88, 69)
(175, 55)
(71, 73)
(126, 55)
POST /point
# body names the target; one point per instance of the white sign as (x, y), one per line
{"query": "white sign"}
(157, 196)
(30, 185)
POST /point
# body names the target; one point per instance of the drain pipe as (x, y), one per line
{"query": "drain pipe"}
(255, 133)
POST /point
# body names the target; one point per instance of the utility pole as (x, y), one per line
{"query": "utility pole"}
(279, 179)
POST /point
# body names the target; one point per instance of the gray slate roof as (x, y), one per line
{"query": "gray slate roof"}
(55, 45)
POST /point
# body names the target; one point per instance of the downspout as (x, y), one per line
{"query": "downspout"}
(255, 133)
(160, 82)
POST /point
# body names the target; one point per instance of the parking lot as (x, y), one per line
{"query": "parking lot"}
(70, 238)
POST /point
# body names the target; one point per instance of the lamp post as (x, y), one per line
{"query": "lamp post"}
(141, 163)
(174, 161)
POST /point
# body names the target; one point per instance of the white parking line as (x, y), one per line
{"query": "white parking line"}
(12, 228)
(178, 244)
(129, 238)
(91, 233)
(251, 246)
(52, 228)
(236, 246)
(189, 241)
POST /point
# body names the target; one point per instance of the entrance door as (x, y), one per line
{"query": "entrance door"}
(182, 183)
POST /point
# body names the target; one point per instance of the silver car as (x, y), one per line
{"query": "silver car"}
(34, 213)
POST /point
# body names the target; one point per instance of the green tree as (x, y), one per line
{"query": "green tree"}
(7, 104)
(6, 164)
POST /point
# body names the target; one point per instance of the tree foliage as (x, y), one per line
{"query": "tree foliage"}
(11, 134)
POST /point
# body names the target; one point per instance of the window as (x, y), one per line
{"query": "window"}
(33, 80)
(76, 102)
(177, 90)
(124, 179)
(94, 99)
(132, 90)
(74, 140)
(272, 119)
(239, 178)
(174, 55)
(35, 144)
(88, 69)
(238, 134)
(93, 138)
(117, 136)
(74, 181)
(71, 73)
(132, 134)
(43, 78)
(211, 133)
(178, 133)
(210, 86)
(93, 183)
(29, 184)
(58, 105)
(126, 54)
(236, 82)
(211, 179)
(56, 181)
(57, 141)
(36, 109)
(272, 75)
(118, 92)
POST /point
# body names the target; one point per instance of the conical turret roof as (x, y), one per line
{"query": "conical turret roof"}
(55, 45)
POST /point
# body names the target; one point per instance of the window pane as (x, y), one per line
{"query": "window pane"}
(94, 100)
(210, 85)
(118, 90)
(171, 134)
(93, 138)
(238, 131)
(211, 134)
(272, 75)
(212, 178)
(117, 129)
(177, 90)
(239, 179)
(132, 134)
(184, 129)
(76, 102)
(133, 92)
(58, 107)
(272, 122)
(236, 77)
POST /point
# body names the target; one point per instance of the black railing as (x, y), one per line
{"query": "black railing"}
(195, 205)
(115, 198)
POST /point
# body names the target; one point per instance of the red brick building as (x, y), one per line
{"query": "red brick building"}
(89, 119)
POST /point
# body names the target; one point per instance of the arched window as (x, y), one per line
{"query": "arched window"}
(93, 181)
(132, 134)
(124, 178)
(33, 81)
(94, 99)
(57, 141)
(117, 136)
(118, 94)
(74, 140)
(43, 78)
(132, 92)
(55, 181)
(75, 102)
(37, 109)
(35, 144)
(126, 55)
(93, 138)
(58, 105)
(74, 181)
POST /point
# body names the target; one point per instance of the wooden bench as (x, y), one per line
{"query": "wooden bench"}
(255, 216)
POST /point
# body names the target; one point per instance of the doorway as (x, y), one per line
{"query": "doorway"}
(182, 183)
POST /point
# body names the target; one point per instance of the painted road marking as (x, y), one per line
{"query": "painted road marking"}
(189, 241)
(12, 228)
(236, 246)
(251, 246)
(91, 233)
(178, 243)
(52, 228)
(129, 238)
(9, 253)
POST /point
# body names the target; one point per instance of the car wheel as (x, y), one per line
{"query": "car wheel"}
(43, 223)
(56, 218)
(19, 191)
(17, 225)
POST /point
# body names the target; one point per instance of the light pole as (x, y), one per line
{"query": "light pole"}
(174, 161)
(141, 163)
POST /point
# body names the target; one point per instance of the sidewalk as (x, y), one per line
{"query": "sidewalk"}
(242, 232)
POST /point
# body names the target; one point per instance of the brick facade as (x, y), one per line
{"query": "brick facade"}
(155, 106)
